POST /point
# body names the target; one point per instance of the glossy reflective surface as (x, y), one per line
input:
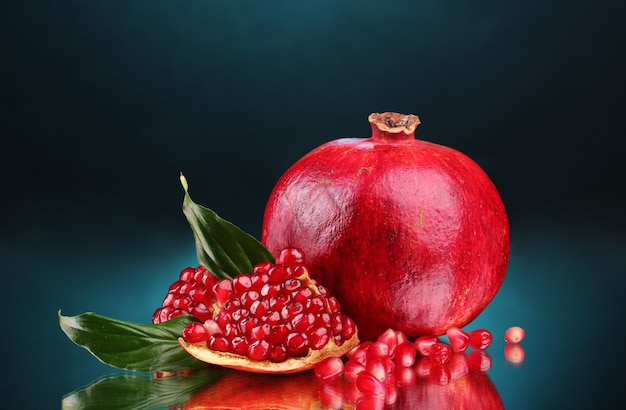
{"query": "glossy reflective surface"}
(564, 290)
(104, 103)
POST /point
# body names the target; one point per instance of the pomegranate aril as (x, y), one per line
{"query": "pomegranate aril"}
(424, 343)
(370, 385)
(318, 337)
(278, 273)
(314, 304)
(376, 367)
(182, 302)
(377, 350)
(240, 345)
(291, 285)
(259, 279)
(329, 369)
(392, 390)
(279, 333)
(223, 318)
(218, 342)
(259, 308)
(333, 304)
(440, 353)
(223, 290)
(199, 310)
(352, 368)
(212, 327)
(405, 354)
(278, 353)
(174, 313)
(270, 289)
(258, 350)
(291, 310)
(296, 344)
(241, 284)
(480, 339)
(260, 332)
(303, 322)
(262, 267)
(231, 330)
(389, 338)
(459, 339)
(348, 327)
(249, 297)
(514, 334)
(186, 274)
(279, 301)
(231, 305)
(290, 256)
(195, 332)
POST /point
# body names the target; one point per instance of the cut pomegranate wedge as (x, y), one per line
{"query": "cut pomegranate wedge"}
(274, 320)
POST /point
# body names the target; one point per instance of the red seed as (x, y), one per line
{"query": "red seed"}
(405, 354)
(376, 367)
(423, 366)
(352, 368)
(218, 342)
(480, 339)
(258, 350)
(297, 343)
(195, 332)
(390, 338)
(329, 369)
(514, 334)
(424, 343)
(459, 339)
(318, 338)
(290, 257)
(370, 385)
(377, 349)
(278, 353)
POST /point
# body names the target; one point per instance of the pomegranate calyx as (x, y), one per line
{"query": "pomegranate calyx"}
(292, 365)
(394, 123)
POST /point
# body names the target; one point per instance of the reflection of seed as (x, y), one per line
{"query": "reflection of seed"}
(514, 353)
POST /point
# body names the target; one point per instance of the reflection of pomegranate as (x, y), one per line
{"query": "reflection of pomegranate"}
(470, 391)
(242, 390)
(405, 233)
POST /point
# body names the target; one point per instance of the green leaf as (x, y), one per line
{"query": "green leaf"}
(131, 346)
(138, 391)
(222, 247)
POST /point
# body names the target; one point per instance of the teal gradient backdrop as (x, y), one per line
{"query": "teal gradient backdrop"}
(104, 103)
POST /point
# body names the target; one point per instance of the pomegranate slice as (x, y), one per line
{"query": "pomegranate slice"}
(286, 320)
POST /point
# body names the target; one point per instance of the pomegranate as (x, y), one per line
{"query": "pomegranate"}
(274, 320)
(405, 233)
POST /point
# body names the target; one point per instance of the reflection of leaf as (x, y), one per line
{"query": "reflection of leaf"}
(221, 246)
(131, 346)
(138, 391)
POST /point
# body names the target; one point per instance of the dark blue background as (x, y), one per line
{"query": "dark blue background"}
(104, 103)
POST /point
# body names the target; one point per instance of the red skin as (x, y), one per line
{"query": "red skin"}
(405, 233)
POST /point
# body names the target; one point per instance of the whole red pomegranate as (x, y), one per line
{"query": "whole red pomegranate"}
(405, 233)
